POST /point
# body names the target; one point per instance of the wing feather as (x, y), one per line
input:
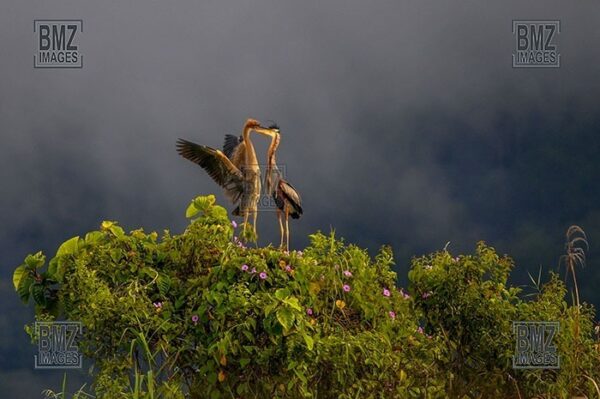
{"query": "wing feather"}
(218, 166)
(290, 195)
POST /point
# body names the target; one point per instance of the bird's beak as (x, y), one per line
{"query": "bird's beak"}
(266, 131)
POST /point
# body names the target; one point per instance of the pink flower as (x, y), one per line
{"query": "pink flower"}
(392, 314)
(288, 268)
(157, 305)
(195, 319)
(386, 292)
(262, 275)
(309, 311)
(420, 330)
(346, 288)
(253, 271)
(426, 295)
(456, 259)
(244, 268)
(347, 273)
(234, 224)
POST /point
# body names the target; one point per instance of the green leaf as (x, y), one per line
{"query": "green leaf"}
(93, 237)
(35, 261)
(282, 293)
(23, 289)
(18, 275)
(309, 341)
(286, 318)
(200, 204)
(244, 361)
(164, 284)
(37, 292)
(191, 211)
(69, 247)
(293, 303)
(117, 231)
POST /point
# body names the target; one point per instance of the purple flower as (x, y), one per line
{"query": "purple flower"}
(157, 305)
(195, 319)
(309, 311)
(253, 270)
(262, 275)
(244, 268)
(234, 224)
(288, 268)
(392, 314)
(426, 295)
(347, 273)
(346, 288)
(386, 292)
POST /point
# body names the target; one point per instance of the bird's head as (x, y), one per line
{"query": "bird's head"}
(271, 131)
(252, 123)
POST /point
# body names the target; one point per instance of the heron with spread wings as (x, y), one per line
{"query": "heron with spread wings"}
(235, 168)
(287, 199)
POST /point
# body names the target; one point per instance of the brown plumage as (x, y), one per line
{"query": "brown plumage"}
(236, 170)
(286, 197)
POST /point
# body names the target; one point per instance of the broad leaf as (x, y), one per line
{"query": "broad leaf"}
(286, 318)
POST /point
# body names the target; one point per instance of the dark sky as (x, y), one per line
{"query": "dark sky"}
(403, 123)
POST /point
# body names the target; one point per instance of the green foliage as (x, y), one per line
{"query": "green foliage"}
(466, 301)
(200, 315)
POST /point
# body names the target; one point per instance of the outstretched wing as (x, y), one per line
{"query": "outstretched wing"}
(235, 148)
(216, 164)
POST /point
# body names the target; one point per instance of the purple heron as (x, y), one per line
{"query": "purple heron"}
(287, 199)
(236, 170)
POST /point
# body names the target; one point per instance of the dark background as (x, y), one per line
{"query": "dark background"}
(403, 123)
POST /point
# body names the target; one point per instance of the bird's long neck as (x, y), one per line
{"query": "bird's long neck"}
(272, 149)
(271, 162)
(250, 153)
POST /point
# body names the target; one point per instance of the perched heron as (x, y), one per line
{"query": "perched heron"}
(287, 199)
(236, 170)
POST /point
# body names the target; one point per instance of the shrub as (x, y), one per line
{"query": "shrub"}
(200, 315)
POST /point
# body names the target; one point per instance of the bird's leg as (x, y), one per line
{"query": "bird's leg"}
(287, 229)
(254, 224)
(246, 213)
(281, 233)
